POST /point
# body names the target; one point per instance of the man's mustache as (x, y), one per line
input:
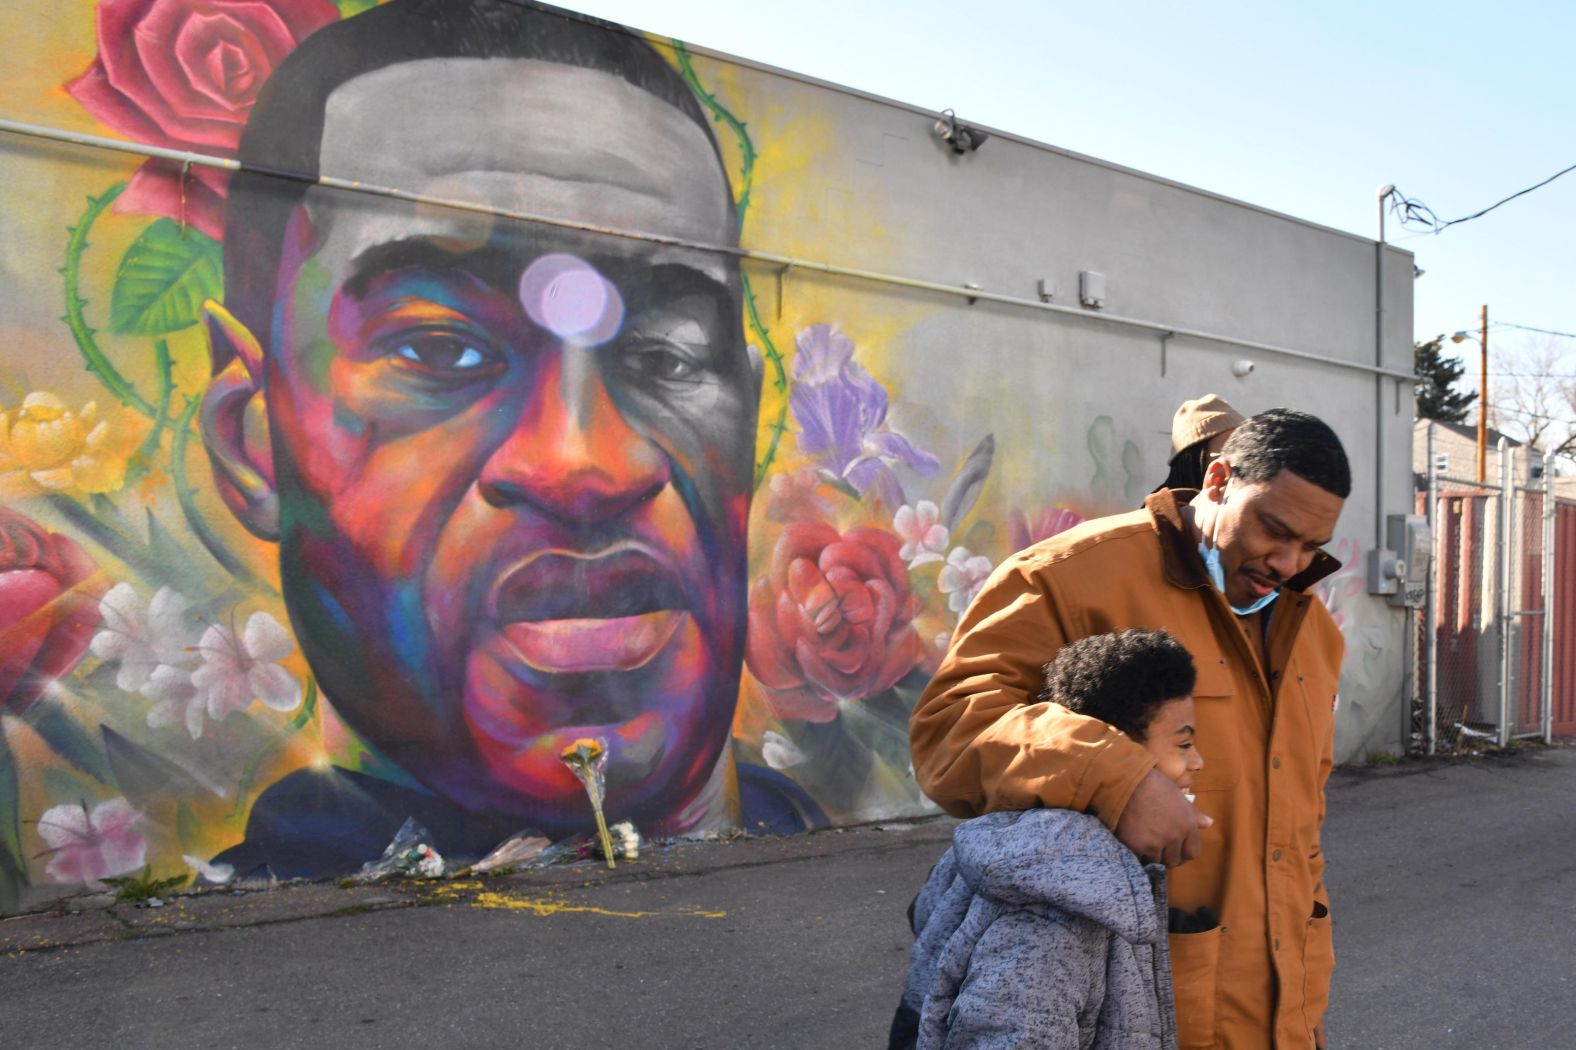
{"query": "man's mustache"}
(1273, 578)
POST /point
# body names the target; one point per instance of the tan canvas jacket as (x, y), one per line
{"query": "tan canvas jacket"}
(1261, 978)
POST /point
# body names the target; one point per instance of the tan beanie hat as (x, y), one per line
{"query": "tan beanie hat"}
(1201, 419)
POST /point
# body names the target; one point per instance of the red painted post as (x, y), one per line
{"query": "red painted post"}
(1563, 607)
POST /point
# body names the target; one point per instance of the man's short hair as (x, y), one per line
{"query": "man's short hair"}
(1285, 439)
(284, 132)
(1121, 679)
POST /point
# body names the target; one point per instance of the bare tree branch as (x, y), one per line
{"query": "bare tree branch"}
(1536, 400)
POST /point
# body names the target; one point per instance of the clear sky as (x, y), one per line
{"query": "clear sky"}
(1304, 108)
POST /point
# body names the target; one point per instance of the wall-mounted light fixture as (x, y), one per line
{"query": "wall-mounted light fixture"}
(961, 137)
(1242, 368)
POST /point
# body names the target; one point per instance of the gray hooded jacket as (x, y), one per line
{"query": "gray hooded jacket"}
(1039, 929)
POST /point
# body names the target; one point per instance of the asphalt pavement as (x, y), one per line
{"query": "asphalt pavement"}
(1452, 885)
(1453, 888)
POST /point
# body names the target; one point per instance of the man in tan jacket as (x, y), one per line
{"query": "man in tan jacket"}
(1226, 571)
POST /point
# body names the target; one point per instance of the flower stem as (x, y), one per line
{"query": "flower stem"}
(243, 789)
(142, 460)
(97, 363)
(722, 115)
(603, 834)
(779, 381)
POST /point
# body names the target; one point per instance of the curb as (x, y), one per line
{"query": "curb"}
(99, 918)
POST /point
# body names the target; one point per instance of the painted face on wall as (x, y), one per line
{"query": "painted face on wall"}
(514, 460)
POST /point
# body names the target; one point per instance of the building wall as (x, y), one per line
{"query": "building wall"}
(1460, 452)
(320, 515)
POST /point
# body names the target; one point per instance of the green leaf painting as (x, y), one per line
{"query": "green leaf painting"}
(163, 280)
(70, 740)
(10, 810)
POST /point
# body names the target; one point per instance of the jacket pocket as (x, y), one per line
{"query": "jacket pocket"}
(1195, 959)
(1318, 963)
(1217, 740)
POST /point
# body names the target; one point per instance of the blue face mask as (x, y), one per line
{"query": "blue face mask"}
(1217, 573)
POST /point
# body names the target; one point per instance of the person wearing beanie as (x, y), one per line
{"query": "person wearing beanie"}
(1198, 432)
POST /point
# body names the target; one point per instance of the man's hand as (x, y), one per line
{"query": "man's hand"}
(1159, 823)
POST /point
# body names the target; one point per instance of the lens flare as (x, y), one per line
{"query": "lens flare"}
(568, 297)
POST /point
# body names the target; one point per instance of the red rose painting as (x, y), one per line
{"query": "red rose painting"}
(49, 592)
(832, 621)
(183, 74)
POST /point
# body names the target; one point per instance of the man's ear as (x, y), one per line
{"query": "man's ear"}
(234, 422)
(1215, 477)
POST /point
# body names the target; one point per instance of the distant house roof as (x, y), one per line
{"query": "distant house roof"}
(1469, 431)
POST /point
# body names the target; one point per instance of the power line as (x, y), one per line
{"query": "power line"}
(1555, 412)
(1507, 200)
(1529, 328)
(1554, 408)
(1472, 329)
(1416, 213)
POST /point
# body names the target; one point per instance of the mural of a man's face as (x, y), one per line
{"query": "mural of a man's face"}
(513, 460)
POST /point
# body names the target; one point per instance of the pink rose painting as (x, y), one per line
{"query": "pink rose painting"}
(184, 74)
(1026, 528)
(832, 620)
(49, 591)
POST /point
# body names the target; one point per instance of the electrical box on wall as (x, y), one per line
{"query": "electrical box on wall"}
(1091, 288)
(1399, 571)
(1385, 569)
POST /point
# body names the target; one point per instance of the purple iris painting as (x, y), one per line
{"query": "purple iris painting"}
(842, 410)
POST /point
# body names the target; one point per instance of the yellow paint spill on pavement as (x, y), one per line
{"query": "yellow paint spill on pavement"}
(472, 894)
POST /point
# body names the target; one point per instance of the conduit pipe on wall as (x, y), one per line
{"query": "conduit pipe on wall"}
(750, 254)
(1379, 530)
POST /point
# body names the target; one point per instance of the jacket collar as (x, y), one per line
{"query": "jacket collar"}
(1179, 550)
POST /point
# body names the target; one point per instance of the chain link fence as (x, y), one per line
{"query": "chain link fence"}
(1525, 613)
(1496, 642)
(1561, 543)
(1463, 671)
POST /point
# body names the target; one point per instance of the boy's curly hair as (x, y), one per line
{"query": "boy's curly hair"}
(1120, 678)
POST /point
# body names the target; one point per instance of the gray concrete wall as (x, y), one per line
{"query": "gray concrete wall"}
(1016, 212)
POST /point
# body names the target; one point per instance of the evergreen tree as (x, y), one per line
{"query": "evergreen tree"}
(1437, 375)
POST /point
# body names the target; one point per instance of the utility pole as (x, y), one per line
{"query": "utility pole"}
(1482, 437)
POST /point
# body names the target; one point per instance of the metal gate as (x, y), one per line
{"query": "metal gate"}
(1498, 655)
(1562, 604)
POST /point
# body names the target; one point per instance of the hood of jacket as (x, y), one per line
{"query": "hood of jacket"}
(1065, 860)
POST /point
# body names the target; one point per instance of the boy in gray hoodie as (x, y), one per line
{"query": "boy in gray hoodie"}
(1038, 929)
